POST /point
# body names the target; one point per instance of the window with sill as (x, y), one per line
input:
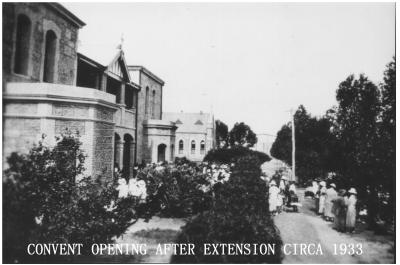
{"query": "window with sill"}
(193, 147)
(180, 147)
(202, 147)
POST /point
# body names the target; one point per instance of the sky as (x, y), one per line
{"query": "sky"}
(249, 62)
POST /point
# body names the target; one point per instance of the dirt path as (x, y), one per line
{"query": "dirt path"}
(306, 227)
(156, 231)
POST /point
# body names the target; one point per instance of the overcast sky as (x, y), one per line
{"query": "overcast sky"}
(250, 62)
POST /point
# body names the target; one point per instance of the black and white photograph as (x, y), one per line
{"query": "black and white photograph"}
(199, 132)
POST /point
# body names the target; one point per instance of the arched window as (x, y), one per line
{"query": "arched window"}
(21, 58)
(193, 147)
(146, 103)
(50, 56)
(202, 147)
(153, 105)
(180, 151)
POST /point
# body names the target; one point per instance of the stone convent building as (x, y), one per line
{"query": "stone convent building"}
(49, 88)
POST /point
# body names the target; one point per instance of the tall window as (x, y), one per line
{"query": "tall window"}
(153, 105)
(129, 100)
(146, 103)
(202, 147)
(180, 151)
(21, 59)
(50, 56)
(193, 147)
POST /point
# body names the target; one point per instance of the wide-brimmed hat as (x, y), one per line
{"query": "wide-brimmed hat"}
(353, 191)
(342, 192)
(284, 178)
(322, 183)
(272, 183)
(333, 185)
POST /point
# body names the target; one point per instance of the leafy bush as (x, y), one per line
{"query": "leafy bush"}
(175, 191)
(179, 161)
(229, 155)
(234, 219)
(46, 199)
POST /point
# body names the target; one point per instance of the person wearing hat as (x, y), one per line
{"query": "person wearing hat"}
(339, 210)
(283, 183)
(282, 190)
(273, 194)
(322, 196)
(351, 211)
(331, 194)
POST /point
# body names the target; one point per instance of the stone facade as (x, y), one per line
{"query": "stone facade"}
(159, 141)
(34, 109)
(49, 88)
(148, 106)
(40, 18)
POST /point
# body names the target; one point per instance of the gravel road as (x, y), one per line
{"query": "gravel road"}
(307, 228)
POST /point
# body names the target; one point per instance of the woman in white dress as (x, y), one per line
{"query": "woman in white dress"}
(273, 197)
(351, 210)
(322, 196)
(331, 195)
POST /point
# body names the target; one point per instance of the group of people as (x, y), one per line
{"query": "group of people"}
(283, 195)
(338, 207)
(131, 185)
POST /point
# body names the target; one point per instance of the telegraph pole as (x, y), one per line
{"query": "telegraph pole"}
(293, 178)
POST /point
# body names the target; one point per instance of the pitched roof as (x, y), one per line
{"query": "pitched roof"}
(111, 66)
(190, 122)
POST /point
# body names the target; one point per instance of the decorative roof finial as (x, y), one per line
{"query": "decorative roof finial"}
(119, 47)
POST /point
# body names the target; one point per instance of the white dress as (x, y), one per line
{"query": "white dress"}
(351, 211)
(322, 197)
(122, 188)
(273, 198)
(331, 194)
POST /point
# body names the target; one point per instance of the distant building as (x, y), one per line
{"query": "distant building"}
(195, 134)
(264, 143)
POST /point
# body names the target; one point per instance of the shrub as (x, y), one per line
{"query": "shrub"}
(229, 155)
(174, 191)
(235, 219)
(46, 199)
(179, 161)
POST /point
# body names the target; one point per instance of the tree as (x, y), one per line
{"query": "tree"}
(231, 155)
(387, 136)
(241, 134)
(234, 219)
(313, 141)
(282, 147)
(221, 134)
(357, 133)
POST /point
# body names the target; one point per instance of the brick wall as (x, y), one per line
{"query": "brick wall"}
(142, 144)
(24, 124)
(42, 18)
